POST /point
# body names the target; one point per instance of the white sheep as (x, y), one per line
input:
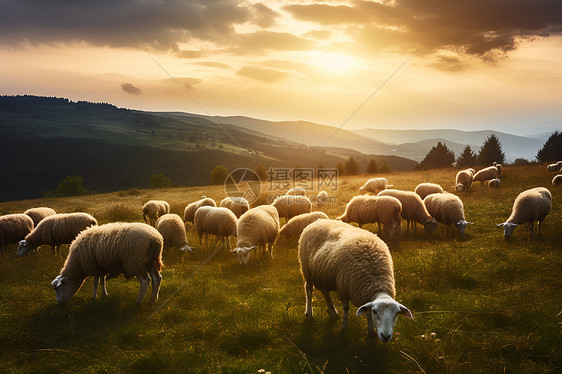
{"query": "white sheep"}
(37, 214)
(529, 206)
(153, 209)
(559, 163)
(494, 183)
(190, 209)
(131, 249)
(238, 205)
(499, 167)
(380, 209)
(447, 209)
(217, 221)
(258, 226)
(413, 210)
(557, 180)
(491, 172)
(172, 229)
(297, 224)
(335, 256)
(553, 167)
(289, 206)
(56, 230)
(322, 198)
(13, 228)
(424, 189)
(296, 191)
(471, 170)
(374, 185)
(463, 180)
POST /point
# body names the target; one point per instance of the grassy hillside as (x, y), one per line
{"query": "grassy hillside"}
(480, 304)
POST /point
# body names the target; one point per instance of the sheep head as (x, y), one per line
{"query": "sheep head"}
(430, 225)
(24, 248)
(65, 289)
(508, 229)
(243, 253)
(384, 312)
(461, 226)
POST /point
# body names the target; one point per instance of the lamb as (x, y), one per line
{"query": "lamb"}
(13, 228)
(322, 198)
(494, 183)
(557, 180)
(463, 180)
(374, 185)
(289, 206)
(190, 209)
(491, 172)
(131, 249)
(381, 209)
(335, 256)
(56, 230)
(299, 191)
(553, 167)
(172, 229)
(153, 209)
(297, 224)
(258, 226)
(217, 221)
(529, 206)
(447, 209)
(413, 209)
(37, 214)
(238, 205)
(424, 189)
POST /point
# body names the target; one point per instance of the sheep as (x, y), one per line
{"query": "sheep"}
(172, 229)
(296, 191)
(499, 167)
(322, 198)
(153, 209)
(374, 185)
(424, 189)
(529, 206)
(381, 209)
(258, 226)
(447, 209)
(335, 256)
(289, 206)
(238, 205)
(463, 180)
(557, 180)
(295, 225)
(472, 171)
(13, 228)
(218, 221)
(553, 167)
(494, 183)
(413, 209)
(190, 209)
(56, 230)
(131, 249)
(491, 172)
(559, 163)
(37, 214)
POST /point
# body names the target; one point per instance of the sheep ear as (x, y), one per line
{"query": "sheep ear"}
(58, 281)
(235, 250)
(405, 312)
(365, 308)
(500, 224)
(470, 223)
(252, 247)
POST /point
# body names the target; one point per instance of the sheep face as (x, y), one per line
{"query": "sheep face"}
(24, 248)
(459, 187)
(430, 225)
(64, 289)
(461, 226)
(243, 254)
(186, 248)
(508, 229)
(384, 312)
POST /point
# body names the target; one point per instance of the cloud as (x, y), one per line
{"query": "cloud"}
(184, 81)
(130, 89)
(263, 41)
(212, 64)
(261, 74)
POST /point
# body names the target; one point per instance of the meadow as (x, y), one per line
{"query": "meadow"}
(480, 304)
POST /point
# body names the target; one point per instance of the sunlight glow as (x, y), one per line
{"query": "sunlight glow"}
(332, 62)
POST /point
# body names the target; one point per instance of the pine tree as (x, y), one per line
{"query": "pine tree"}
(351, 166)
(372, 167)
(438, 157)
(491, 151)
(467, 158)
(552, 148)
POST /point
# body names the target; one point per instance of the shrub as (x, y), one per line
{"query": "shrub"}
(160, 181)
(219, 174)
(372, 167)
(71, 186)
(351, 166)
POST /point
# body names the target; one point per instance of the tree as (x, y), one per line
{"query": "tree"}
(438, 157)
(341, 168)
(261, 171)
(467, 158)
(351, 166)
(552, 148)
(71, 186)
(491, 151)
(219, 174)
(372, 167)
(160, 181)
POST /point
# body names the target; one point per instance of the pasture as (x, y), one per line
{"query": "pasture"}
(480, 304)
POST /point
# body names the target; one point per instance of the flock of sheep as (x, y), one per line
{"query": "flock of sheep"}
(334, 255)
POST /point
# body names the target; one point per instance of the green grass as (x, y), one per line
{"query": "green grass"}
(480, 304)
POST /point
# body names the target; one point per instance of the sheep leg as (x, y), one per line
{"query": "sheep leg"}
(345, 307)
(379, 225)
(156, 282)
(308, 293)
(96, 280)
(539, 233)
(531, 230)
(331, 308)
(271, 250)
(103, 288)
(144, 283)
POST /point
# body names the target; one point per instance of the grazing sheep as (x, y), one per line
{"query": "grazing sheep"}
(529, 206)
(322, 198)
(258, 226)
(447, 209)
(217, 221)
(374, 185)
(238, 205)
(557, 180)
(190, 209)
(413, 210)
(131, 249)
(13, 228)
(335, 256)
(472, 171)
(37, 214)
(289, 206)
(559, 163)
(381, 209)
(553, 167)
(494, 183)
(56, 230)
(491, 172)
(172, 229)
(153, 209)
(463, 180)
(295, 225)
(499, 167)
(296, 191)
(424, 189)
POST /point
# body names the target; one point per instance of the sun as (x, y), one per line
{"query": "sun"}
(332, 62)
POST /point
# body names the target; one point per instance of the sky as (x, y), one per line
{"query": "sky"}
(389, 64)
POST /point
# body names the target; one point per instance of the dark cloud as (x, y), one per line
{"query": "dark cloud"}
(263, 16)
(130, 89)
(261, 74)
